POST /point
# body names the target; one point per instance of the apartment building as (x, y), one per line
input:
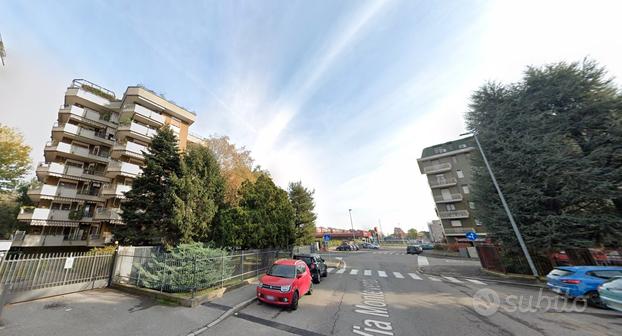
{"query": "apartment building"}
(447, 167)
(95, 152)
(435, 227)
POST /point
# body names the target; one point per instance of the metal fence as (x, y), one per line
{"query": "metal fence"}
(36, 271)
(166, 272)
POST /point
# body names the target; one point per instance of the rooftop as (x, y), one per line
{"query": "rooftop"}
(448, 147)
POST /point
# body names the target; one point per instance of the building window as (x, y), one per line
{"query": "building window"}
(456, 223)
(465, 189)
(450, 207)
(478, 223)
(439, 150)
(462, 146)
(460, 173)
(472, 205)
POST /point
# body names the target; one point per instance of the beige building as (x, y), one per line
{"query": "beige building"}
(94, 153)
(448, 170)
(435, 227)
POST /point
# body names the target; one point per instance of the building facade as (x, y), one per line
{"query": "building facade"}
(447, 168)
(437, 235)
(95, 152)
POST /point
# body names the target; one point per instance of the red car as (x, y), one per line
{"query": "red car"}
(284, 283)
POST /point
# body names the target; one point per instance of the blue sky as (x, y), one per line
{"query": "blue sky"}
(342, 95)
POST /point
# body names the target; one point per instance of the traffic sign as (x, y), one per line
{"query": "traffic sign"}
(471, 235)
(326, 237)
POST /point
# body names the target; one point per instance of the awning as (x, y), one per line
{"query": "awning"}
(39, 222)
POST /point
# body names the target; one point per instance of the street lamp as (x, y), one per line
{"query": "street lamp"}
(505, 207)
(352, 224)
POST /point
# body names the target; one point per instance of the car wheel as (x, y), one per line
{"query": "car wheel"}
(310, 290)
(316, 279)
(294, 304)
(325, 273)
(593, 299)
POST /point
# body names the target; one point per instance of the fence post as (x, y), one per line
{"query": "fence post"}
(257, 264)
(194, 275)
(222, 270)
(113, 264)
(162, 277)
(242, 264)
(34, 278)
(67, 270)
(93, 262)
(5, 291)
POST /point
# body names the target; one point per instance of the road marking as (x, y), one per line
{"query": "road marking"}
(422, 261)
(398, 275)
(476, 281)
(340, 271)
(382, 274)
(415, 276)
(354, 272)
(367, 272)
(454, 280)
(330, 269)
(433, 278)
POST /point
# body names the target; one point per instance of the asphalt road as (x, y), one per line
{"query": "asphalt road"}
(383, 293)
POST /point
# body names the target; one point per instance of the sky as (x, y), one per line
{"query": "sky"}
(341, 95)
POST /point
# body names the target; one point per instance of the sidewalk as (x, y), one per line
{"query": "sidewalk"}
(110, 312)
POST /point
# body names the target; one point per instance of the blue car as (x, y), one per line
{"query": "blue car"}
(581, 282)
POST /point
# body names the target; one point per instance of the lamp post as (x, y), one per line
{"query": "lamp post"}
(352, 224)
(505, 207)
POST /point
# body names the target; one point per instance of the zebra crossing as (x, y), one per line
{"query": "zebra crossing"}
(389, 253)
(400, 276)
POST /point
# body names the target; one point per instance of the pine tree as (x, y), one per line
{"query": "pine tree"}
(148, 211)
(302, 200)
(199, 193)
(554, 141)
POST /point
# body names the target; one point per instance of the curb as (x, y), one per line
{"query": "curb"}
(488, 279)
(231, 311)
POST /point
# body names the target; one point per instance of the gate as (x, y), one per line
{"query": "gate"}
(36, 276)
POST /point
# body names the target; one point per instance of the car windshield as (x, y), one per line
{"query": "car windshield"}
(307, 260)
(283, 271)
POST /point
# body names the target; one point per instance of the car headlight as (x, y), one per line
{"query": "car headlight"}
(260, 284)
(285, 289)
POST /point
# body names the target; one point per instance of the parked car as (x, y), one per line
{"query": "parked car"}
(427, 246)
(284, 283)
(370, 246)
(413, 249)
(581, 282)
(610, 293)
(316, 265)
(355, 247)
(345, 247)
(561, 258)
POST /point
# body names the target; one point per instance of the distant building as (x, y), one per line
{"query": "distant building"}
(447, 167)
(436, 231)
(341, 233)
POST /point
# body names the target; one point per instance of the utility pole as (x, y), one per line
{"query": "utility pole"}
(381, 232)
(506, 208)
(352, 224)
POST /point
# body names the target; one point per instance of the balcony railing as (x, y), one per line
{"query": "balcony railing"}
(123, 168)
(443, 183)
(108, 214)
(77, 150)
(117, 190)
(453, 214)
(438, 168)
(138, 129)
(448, 199)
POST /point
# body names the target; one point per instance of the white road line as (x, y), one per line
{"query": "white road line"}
(415, 276)
(367, 272)
(330, 269)
(476, 281)
(433, 278)
(398, 275)
(454, 280)
(422, 261)
(382, 274)
(340, 271)
(354, 272)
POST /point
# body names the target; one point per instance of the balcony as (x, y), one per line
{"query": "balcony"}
(143, 114)
(74, 152)
(137, 131)
(456, 214)
(448, 198)
(88, 94)
(47, 191)
(61, 170)
(461, 231)
(88, 115)
(129, 149)
(80, 133)
(108, 214)
(28, 214)
(438, 168)
(115, 190)
(122, 168)
(447, 182)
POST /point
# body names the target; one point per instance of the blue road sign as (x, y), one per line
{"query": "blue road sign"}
(471, 235)
(326, 237)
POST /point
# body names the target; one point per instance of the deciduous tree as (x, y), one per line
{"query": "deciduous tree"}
(14, 158)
